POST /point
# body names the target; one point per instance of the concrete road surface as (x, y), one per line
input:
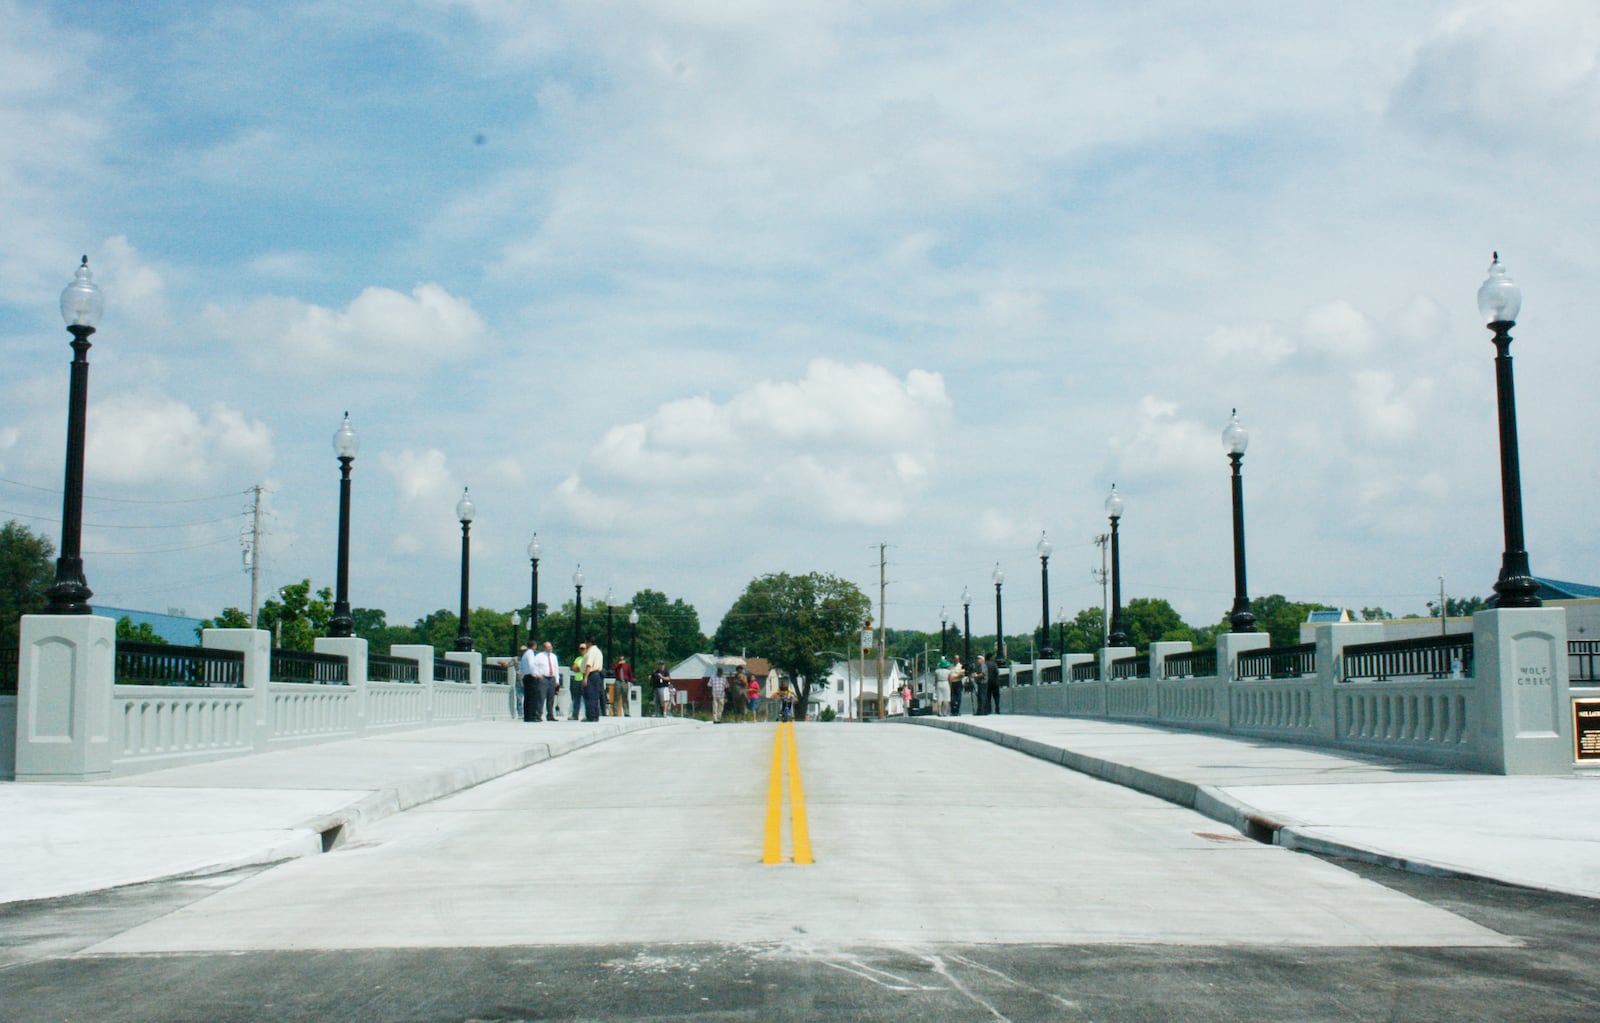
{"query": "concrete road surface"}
(919, 836)
(953, 880)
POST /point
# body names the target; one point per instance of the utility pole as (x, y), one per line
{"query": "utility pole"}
(255, 555)
(882, 589)
(1444, 610)
(1102, 576)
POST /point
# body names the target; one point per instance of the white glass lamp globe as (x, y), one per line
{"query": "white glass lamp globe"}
(1499, 297)
(345, 442)
(1235, 438)
(1114, 503)
(81, 301)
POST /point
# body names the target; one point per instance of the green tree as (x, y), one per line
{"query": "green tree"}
(1281, 617)
(296, 618)
(669, 631)
(1375, 614)
(141, 633)
(27, 568)
(1084, 634)
(789, 618)
(229, 618)
(1458, 607)
(1150, 620)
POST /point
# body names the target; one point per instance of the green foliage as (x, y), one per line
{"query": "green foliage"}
(789, 618)
(230, 618)
(1458, 607)
(297, 618)
(1375, 614)
(27, 568)
(1150, 620)
(1084, 634)
(1281, 617)
(668, 631)
(141, 633)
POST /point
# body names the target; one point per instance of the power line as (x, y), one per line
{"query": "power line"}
(127, 500)
(104, 525)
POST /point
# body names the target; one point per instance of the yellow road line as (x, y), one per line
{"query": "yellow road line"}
(797, 802)
(772, 851)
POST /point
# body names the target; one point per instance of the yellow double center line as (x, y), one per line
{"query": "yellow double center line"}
(786, 762)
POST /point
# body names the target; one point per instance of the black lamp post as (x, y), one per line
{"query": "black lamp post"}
(577, 617)
(966, 627)
(944, 628)
(609, 620)
(81, 305)
(999, 622)
(345, 445)
(1045, 548)
(633, 640)
(464, 511)
(516, 631)
(533, 596)
(1499, 300)
(1119, 631)
(1235, 440)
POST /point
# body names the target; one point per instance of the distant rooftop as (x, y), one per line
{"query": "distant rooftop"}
(1555, 589)
(178, 629)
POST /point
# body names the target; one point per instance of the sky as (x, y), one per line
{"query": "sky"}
(699, 291)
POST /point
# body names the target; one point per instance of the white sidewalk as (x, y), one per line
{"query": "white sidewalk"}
(1538, 832)
(65, 839)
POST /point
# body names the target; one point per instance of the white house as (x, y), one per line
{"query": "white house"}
(853, 687)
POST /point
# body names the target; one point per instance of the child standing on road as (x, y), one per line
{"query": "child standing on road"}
(785, 702)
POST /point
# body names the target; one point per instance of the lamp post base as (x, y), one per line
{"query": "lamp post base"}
(69, 594)
(1517, 589)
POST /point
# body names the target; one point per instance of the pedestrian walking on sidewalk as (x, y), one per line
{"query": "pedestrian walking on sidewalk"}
(528, 689)
(992, 677)
(980, 684)
(941, 689)
(719, 696)
(546, 679)
(660, 689)
(576, 684)
(623, 673)
(958, 683)
(594, 678)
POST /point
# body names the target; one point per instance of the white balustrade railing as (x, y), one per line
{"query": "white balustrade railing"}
(67, 686)
(1510, 714)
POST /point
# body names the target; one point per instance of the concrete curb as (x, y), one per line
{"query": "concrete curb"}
(1219, 805)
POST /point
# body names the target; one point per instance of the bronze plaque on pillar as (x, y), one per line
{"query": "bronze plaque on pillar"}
(1586, 729)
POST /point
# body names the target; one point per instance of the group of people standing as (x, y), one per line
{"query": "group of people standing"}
(950, 680)
(740, 697)
(591, 688)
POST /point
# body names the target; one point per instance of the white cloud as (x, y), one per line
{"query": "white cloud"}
(381, 331)
(1506, 73)
(426, 490)
(1159, 444)
(1255, 342)
(140, 439)
(140, 286)
(847, 443)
